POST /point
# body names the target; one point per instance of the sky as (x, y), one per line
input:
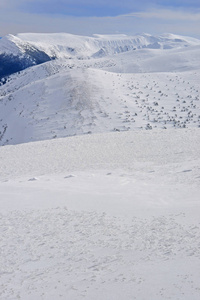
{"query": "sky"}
(87, 17)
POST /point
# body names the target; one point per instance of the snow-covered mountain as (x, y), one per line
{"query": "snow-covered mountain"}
(68, 45)
(24, 50)
(77, 85)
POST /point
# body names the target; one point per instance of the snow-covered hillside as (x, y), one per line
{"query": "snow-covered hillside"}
(99, 167)
(98, 84)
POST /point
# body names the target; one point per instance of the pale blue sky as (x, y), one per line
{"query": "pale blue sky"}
(100, 16)
(100, 8)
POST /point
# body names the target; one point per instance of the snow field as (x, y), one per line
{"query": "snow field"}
(106, 216)
(100, 168)
(60, 253)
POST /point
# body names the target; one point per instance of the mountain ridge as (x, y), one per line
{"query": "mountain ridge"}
(65, 45)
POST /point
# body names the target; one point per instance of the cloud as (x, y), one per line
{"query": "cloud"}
(154, 21)
(93, 8)
(167, 14)
(78, 7)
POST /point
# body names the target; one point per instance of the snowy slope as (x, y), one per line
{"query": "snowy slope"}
(61, 98)
(97, 84)
(103, 216)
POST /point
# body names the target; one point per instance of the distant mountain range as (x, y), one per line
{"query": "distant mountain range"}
(24, 50)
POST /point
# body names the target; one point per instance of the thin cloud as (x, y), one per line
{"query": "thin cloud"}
(167, 15)
(93, 8)
(154, 21)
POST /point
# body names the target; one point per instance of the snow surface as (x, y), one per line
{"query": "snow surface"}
(100, 169)
(105, 216)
